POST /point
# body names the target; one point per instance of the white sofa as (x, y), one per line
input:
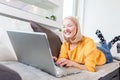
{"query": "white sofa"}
(8, 58)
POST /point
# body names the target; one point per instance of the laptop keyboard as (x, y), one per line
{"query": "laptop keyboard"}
(66, 71)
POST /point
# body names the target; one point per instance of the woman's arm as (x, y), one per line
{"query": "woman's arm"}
(68, 63)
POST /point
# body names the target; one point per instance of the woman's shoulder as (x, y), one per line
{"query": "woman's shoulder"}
(86, 38)
(87, 41)
(65, 43)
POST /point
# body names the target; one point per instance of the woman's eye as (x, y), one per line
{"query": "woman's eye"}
(63, 26)
(66, 26)
(69, 25)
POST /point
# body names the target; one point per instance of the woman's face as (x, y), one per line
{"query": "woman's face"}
(69, 28)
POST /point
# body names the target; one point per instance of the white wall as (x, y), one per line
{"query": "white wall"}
(67, 8)
(100, 14)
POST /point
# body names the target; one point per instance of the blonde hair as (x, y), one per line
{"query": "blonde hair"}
(77, 37)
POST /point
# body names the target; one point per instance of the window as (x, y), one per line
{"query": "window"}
(68, 8)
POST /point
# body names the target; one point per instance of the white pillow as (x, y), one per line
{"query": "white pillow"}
(6, 50)
(6, 54)
(23, 26)
(56, 31)
(114, 51)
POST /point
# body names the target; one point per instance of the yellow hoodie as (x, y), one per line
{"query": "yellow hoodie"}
(84, 53)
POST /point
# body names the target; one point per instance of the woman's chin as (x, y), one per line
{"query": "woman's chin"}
(68, 37)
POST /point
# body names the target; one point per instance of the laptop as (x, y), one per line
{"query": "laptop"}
(32, 48)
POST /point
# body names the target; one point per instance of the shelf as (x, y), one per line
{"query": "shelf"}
(23, 15)
(46, 4)
(47, 7)
(35, 10)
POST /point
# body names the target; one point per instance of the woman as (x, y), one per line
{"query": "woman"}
(78, 50)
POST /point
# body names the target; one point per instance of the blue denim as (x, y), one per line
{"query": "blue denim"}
(105, 48)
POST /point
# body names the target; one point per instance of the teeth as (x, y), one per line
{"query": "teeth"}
(68, 33)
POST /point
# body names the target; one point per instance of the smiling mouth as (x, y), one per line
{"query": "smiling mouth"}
(67, 33)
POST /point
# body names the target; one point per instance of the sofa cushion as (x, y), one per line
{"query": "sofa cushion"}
(6, 51)
(23, 26)
(8, 74)
(54, 40)
(5, 54)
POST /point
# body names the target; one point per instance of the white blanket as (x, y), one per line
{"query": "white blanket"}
(30, 73)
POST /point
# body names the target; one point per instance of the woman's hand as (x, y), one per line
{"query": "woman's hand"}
(68, 63)
(65, 62)
(54, 58)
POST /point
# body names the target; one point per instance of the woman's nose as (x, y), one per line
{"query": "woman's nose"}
(66, 28)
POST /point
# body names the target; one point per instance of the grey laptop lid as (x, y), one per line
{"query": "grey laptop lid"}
(33, 49)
